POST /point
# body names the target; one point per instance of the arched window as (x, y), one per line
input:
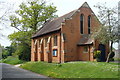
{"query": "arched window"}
(81, 23)
(89, 24)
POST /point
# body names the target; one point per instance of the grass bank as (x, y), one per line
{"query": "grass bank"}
(74, 69)
(12, 60)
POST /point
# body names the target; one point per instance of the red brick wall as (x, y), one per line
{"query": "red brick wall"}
(72, 31)
(42, 54)
(68, 49)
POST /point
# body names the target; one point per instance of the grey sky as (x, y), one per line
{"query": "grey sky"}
(63, 7)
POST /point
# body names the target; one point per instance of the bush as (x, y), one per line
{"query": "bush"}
(24, 52)
(112, 54)
(111, 59)
(97, 55)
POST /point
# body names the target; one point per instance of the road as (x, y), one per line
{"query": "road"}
(10, 71)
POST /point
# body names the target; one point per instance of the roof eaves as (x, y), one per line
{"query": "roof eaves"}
(57, 30)
(85, 44)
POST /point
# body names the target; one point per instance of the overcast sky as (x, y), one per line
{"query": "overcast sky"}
(63, 7)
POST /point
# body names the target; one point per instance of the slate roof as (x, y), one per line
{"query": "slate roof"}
(55, 24)
(85, 40)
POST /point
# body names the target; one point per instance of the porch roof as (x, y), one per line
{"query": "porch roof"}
(85, 40)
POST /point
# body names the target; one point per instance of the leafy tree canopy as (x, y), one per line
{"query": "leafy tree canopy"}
(32, 15)
(27, 20)
(108, 30)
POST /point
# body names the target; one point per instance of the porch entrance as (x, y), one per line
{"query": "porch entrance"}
(103, 51)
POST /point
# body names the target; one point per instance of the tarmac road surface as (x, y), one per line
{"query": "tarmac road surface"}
(10, 71)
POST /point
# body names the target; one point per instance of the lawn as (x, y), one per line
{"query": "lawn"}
(11, 60)
(74, 69)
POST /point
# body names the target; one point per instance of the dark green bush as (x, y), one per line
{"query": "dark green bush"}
(112, 54)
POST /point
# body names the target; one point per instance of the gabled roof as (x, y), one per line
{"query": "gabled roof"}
(55, 24)
(85, 5)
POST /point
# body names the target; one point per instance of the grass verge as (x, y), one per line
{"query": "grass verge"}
(74, 69)
(12, 60)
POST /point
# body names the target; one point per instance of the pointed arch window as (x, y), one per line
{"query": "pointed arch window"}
(81, 23)
(89, 24)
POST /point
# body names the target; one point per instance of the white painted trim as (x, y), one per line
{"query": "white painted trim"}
(35, 42)
(49, 39)
(41, 41)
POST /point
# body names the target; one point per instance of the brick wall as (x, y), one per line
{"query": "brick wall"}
(72, 31)
(45, 53)
(67, 50)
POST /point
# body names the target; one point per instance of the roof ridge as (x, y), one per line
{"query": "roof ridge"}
(54, 23)
(68, 13)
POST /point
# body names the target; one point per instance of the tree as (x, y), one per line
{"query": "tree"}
(5, 9)
(107, 32)
(28, 19)
(32, 15)
(7, 51)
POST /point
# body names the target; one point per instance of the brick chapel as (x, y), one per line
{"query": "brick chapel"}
(67, 38)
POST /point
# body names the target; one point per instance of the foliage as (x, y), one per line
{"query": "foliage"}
(27, 20)
(74, 69)
(25, 53)
(111, 56)
(7, 51)
(108, 30)
(32, 15)
(97, 55)
(22, 41)
(12, 60)
(4, 54)
(0, 60)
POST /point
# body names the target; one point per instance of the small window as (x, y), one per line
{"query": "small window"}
(46, 39)
(55, 52)
(55, 40)
(85, 49)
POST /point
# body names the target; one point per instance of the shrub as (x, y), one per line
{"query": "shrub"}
(97, 55)
(111, 56)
